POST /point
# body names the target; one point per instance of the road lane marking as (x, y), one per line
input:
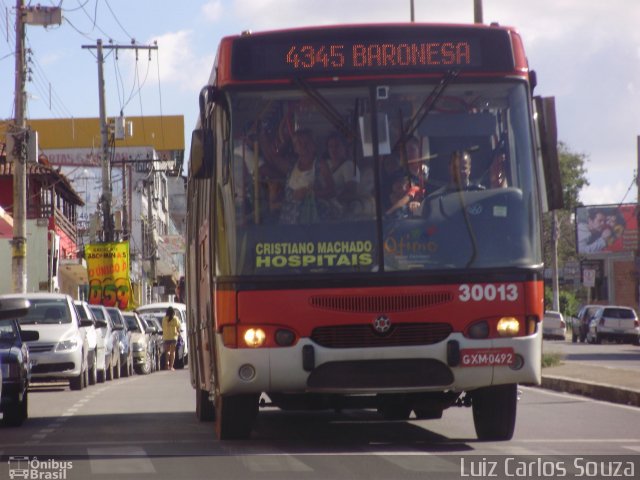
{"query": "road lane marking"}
(119, 460)
(274, 463)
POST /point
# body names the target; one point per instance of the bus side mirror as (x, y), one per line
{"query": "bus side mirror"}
(201, 156)
(548, 132)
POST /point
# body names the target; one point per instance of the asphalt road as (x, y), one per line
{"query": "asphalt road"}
(145, 427)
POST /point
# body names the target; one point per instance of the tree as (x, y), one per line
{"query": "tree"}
(573, 178)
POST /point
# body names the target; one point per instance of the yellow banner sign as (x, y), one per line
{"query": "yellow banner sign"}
(108, 271)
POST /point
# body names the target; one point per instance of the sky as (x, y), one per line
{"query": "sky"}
(586, 54)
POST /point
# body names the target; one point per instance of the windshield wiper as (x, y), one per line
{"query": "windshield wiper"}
(426, 107)
(327, 109)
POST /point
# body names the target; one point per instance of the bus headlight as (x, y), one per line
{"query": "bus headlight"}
(508, 327)
(254, 337)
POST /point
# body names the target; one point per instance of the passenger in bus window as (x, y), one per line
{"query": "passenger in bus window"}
(403, 194)
(309, 184)
(406, 180)
(498, 170)
(364, 205)
(278, 161)
(345, 174)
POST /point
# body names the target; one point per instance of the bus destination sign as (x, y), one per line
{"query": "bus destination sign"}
(380, 55)
(369, 51)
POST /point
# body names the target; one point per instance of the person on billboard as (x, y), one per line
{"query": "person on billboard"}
(593, 235)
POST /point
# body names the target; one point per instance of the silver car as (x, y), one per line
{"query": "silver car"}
(61, 351)
(616, 323)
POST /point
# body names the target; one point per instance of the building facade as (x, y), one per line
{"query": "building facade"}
(144, 163)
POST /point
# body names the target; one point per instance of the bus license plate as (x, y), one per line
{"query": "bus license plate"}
(486, 357)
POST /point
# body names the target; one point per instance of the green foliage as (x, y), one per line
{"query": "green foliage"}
(569, 303)
(551, 359)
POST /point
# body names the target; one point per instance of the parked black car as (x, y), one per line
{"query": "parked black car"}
(14, 362)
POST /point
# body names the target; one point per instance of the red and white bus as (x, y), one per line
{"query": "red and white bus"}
(334, 257)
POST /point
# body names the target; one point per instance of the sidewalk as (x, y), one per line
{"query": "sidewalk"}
(601, 383)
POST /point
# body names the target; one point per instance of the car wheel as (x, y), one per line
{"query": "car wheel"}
(116, 368)
(145, 369)
(93, 373)
(124, 369)
(17, 413)
(574, 338)
(85, 377)
(494, 412)
(597, 339)
(77, 383)
(108, 370)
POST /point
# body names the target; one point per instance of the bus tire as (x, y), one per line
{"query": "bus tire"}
(205, 411)
(235, 415)
(394, 407)
(494, 412)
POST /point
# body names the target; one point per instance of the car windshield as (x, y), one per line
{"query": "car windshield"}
(132, 323)
(310, 191)
(84, 315)
(47, 311)
(98, 313)
(7, 330)
(160, 313)
(115, 316)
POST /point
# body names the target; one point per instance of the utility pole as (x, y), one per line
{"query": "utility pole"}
(477, 11)
(638, 220)
(555, 232)
(153, 248)
(17, 139)
(106, 198)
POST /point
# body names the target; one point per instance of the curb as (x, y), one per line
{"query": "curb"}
(598, 391)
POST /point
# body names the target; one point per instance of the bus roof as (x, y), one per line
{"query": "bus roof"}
(370, 50)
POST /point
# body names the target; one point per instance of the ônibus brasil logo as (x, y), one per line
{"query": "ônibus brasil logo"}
(34, 469)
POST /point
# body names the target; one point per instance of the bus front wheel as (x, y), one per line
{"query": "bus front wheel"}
(235, 415)
(205, 411)
(494, 412)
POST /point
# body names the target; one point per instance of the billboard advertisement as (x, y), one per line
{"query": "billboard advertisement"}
(602, 229)
(108, 272)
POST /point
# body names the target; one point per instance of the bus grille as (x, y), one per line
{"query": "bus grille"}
(362, 336)
(379, 303)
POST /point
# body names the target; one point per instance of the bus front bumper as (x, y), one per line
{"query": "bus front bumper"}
(456, 364)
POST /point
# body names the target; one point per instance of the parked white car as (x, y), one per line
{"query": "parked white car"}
(553, 326)
(111, 342)
(616, 323)
(61, 351)
(96, 341)
(158, 310)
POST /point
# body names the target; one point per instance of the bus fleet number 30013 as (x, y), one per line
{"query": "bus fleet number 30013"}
(488, 292)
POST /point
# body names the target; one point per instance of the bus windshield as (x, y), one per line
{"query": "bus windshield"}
(378, 178)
